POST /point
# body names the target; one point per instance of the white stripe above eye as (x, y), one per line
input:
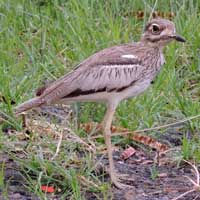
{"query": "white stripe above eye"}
(129, 56)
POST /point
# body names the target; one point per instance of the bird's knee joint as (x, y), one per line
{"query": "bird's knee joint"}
(107, 132)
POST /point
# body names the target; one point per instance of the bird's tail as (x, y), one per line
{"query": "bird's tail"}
(27, 105)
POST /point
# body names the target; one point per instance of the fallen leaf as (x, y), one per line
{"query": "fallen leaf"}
(49, 189)
(162, 175)
(146, 140)
(149, 141)
(130, 195)
(128, 153)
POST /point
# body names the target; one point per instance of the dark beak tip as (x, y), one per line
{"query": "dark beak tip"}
(179, 38)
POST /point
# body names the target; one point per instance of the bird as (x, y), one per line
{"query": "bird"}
(111, 75)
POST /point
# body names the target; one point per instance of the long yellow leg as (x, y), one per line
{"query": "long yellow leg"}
(107, 135)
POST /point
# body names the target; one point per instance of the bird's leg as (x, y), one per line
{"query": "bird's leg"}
(107, 135)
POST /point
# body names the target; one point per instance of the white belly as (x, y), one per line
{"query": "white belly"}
(135, 89)
(111, 96)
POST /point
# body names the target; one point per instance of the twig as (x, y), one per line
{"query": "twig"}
(58, 145)
(154, 128)
(196, 172)
(196, 185)
(185, 193)
(78, 139)
(87, 182)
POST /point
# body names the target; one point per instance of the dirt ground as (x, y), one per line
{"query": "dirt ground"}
(151, 178)
(169, 182)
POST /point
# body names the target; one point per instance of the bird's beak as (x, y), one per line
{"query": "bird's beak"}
(178, 38)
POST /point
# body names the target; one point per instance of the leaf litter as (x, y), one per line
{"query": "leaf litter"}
(163, 176)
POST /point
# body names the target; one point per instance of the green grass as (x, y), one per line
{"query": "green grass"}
(42, 40)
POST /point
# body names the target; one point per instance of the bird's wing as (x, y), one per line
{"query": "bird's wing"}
(112, 69)
(107, 78)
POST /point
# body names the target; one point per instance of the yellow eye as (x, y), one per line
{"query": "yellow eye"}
(155, 29)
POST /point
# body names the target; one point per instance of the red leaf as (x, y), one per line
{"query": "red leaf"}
(128, 153)
(46, 188)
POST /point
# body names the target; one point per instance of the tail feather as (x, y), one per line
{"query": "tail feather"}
(27, 105)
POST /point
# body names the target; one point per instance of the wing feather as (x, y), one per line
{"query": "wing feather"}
(106, 78)
(106, 70)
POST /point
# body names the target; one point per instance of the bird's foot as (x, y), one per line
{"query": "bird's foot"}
(117, 181)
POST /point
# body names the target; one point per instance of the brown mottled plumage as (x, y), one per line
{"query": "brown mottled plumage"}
(110, 76)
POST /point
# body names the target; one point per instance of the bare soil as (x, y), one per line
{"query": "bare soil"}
(151, 178)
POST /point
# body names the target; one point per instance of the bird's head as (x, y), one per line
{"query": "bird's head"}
(159, 32)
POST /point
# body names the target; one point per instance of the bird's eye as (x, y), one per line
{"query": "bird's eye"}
(155, 29)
